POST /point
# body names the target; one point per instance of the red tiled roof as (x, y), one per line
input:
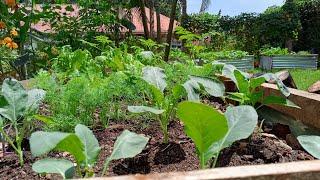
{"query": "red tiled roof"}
(45, 27)
(136, 20)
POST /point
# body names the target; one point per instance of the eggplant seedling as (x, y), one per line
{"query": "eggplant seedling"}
(85, 149)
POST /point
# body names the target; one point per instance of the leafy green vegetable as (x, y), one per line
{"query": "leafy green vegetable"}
(55, 166)
(18, 107)
(249, 91)
(155, 76)
(311, 144)
(212, 131)
(82, 145)
(204, 125)
(163, 106)
(241, 123)
(90, 144)
(211, 86)
(127, 145)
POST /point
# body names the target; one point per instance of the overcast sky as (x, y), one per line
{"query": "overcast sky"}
(234, 7)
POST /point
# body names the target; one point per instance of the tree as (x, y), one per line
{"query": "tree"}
(170, 30)
(205, 5)
(144, 18)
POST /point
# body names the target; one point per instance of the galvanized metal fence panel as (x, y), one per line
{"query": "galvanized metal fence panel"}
(290, 62)
(246, 63)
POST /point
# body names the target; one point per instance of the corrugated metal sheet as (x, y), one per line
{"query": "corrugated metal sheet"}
(293, 61)
(246, 63)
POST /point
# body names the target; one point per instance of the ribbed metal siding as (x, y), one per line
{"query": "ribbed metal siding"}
(246, 63)
(295, 61)
(290, 62)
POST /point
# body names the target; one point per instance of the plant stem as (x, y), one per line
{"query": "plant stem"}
(105, 166)
(17, 149)
(215, 160)
(20, 154)
(202, 163)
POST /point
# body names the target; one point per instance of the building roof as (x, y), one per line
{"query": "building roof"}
(45, 27)
(164, 20)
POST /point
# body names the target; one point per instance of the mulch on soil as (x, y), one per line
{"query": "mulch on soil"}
(179, 155)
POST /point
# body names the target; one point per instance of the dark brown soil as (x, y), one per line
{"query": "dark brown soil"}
(178, 155)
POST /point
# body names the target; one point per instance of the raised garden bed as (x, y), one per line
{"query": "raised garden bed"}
(289, 62)
(179, 155)
(247, 63)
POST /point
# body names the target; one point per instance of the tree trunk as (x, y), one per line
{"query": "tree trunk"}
(158, 21)
(170, 30)
(144, 19)
(151, 5)
(184, 14)
(183, 20)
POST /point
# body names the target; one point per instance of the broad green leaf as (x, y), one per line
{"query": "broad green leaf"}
(143, 109)
(203, 124)
(256, 82)
(155, 76)
(16, 97)
(311, 144)
(191, 87)
(213, 87)
(241, 123)
(35, 96)
(43, 142)
(55, 166)
(228, 71)
(128, 145)
(91, 147)
(242, 82)
(256, 97)
(279, 101)
(157, 94)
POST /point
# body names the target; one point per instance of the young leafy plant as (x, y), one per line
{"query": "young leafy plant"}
(249, 91)
(196, 83)
(83, 146)
(17, 107)
(212, 131)
(127, 145)
(164, 105)
(311, 144)
(204, 125)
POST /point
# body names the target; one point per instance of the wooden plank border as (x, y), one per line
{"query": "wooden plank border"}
(287, 171)
(309, 113)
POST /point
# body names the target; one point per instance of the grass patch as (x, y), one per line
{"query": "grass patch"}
(305, 78)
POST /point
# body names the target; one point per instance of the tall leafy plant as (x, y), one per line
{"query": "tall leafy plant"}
(84, 147)
(163, 104)
(17, 107)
